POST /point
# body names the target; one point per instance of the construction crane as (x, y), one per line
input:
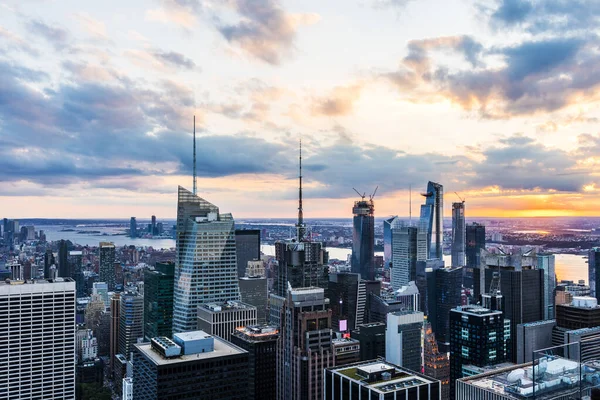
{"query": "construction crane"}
(373, 195)
(461, 199)
(361, 195)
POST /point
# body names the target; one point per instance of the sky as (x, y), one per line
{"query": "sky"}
(495, 99)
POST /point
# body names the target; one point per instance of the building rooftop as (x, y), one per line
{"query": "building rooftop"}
(554, 376)
(227, 306)
(476, 310)
(258, 331)
(222, 348)
(382, 376)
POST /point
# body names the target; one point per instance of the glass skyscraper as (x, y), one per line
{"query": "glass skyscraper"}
(475, 241)
(404, 256)
(363, 239)
(546, 262)
(431, 223)
(594, 271)
(106, 270)
(458, 234)
(205, 260)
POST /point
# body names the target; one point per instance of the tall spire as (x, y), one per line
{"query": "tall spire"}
(300, 227)
(194, 187)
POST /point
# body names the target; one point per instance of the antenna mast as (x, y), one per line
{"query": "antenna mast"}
(300, 229)
(410, 205)
(194, 187)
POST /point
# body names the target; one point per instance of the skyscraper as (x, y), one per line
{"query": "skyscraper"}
(458, 234)
(64, 270)
(388, 225)
(431, 223)
(404, 256)
(76, 262)
(444, 294)
(106, 272)
(132, 228)
(435, 363)
(304, 348)
(254, 291)
(153, 225)
(260, 341)
(594, 272)
(474, 242)
(247, 248)
(545, 262)
(37, 340)
(131, 322)
(363, 239)
(343, 296)
(205, 262)
(115, 310)
(477, 337)
(158, 300)
(403, 339)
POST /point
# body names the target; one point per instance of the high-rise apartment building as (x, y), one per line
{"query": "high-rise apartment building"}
(304, 348)
(594, 271)
(478, 337)
(458, 235)
(404, 256)
(223, 319)
(260, 341)
(435, 363)
(363, 239)
(403, 339)
(247, 248)
(474, 242)
(194, 365)
(378, 380)
(37, 339)
(545, 262)
(205, 260)
(133, 228)
(106, 271)
(158, 300)
(131, 321)
(431, 223)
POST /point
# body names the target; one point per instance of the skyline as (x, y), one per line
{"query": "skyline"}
(97, 106)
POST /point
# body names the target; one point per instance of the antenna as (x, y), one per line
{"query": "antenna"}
(410, 205)
(300, 229)
(194, 187)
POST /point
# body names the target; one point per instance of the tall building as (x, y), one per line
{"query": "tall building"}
(101, 289)
(64, 269)
(260, 341)
(533, 336)
(304, 348)
(545, 262)
(76, 262)
(388, 225)
(443, 296)
(133, 228)
(435, 363)
(378, 380)
(403, 339)
(458, 234)
(115, 318)
(300, 264)
(474, 242)
(223, 319)
(158, 300)
(247, 248)
(49, 261)
(363, 239)
(194, 365)
(106, 272)
(523, 297)
(205, 261)
(254, 291)
(478, 337)
(37, 339)
(431, 223)
(594, 271)
(343, 299)
(153, 230)
(371, 337)
(131, 322)
(404, 256)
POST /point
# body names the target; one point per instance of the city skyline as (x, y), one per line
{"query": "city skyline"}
(98, 102)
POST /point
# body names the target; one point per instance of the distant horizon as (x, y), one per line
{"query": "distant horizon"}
(293, 218)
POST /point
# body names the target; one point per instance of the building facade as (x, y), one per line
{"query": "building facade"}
(431, 223)
(404, 256)
(458, 235)
(435, 363)
(131, 322)
(158, 300)
(403, 339)
(37, 339)
(371, 337)
(594, 271)
(474, 243)
(545, 262)
(223, 319)
(205, 259)
(106, 269)
(254, 291)
(247, 248)
(363, 239)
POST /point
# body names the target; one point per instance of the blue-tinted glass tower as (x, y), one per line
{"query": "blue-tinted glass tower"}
(431, 223)
(363, 239)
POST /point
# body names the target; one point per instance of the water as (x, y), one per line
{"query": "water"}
(53, 233)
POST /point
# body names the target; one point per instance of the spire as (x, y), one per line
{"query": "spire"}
(300, 227)
(194, 187)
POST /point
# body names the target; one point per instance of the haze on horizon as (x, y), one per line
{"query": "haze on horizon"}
(495, 99)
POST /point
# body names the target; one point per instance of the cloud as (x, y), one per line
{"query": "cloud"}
(339, 102)
(94, 27)
(264, 30)
(174, 59)
(12, 41)
(172, 13)
(58, 37)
